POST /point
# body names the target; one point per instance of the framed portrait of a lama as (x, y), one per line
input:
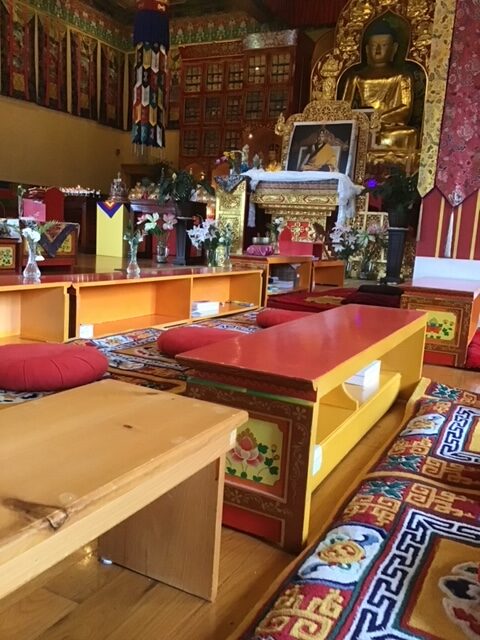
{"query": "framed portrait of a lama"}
(323, 146)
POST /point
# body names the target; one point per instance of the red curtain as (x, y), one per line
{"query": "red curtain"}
(314, 13)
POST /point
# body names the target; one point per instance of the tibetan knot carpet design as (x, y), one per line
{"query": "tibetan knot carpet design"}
(401, 560)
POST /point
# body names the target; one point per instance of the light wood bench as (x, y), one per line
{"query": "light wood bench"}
(141, 469)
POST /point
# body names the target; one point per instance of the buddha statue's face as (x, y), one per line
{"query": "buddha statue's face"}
(381, 50)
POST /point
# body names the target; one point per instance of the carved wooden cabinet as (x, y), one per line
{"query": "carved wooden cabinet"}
(230, 87)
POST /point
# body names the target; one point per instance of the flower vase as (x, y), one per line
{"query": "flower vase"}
(212, 256)
(162, 251)
(133, 270)
(31, 271)
(223, 256)
(276, 247)
(367, 270)
(348, 268)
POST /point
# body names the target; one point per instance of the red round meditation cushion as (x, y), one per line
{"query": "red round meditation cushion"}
(181, 339)
(49, 367)
(272, 317)
(473, 356)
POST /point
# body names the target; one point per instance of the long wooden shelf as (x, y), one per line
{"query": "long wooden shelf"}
(127, 304)
(55, 309)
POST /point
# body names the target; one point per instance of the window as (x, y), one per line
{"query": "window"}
(257, 69)
(193, 79)
(254, 105)
(232, 140)
(213, 109)
(211, 143)
(191, 110)
(278, 103)
(234, 109)
(191, 143)
(280, 68)
(214, 76)
(235, 76)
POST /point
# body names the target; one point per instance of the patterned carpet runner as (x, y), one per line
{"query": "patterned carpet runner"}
(401, 560)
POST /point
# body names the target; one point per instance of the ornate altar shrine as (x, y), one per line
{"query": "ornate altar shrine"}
(306, 205)
(379, 64)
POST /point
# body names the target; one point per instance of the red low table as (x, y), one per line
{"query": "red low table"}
(304, 414)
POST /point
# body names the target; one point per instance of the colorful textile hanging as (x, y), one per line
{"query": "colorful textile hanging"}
(17, 37)
(84, 75)
(151, 40)
(111, 88)
(52, 62)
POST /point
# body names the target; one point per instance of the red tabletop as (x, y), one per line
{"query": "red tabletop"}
(306, 349)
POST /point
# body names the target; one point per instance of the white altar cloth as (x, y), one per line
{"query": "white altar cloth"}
(346, 189)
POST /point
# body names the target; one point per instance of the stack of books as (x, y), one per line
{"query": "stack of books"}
(202, 308)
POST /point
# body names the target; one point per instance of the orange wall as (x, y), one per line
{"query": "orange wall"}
(46, 147)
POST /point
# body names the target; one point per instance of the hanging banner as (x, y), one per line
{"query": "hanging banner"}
(84, 75)
(111, 86)
(152, 41)
(52, 63)
(17, 33)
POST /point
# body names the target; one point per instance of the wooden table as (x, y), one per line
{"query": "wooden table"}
(304, 417)
(270, 264)
(453, 308)
(142, 469)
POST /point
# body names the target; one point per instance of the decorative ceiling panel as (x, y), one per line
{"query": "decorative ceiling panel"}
(293, 13)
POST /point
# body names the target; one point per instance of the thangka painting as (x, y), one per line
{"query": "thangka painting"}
(52, 63)
(84, 75)
(17, 33)
(323, 146)
(111, 91)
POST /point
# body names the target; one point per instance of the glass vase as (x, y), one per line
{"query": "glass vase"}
(276, 247)
(223, 256)
(133, 270)
(212, 256)
(162, 251)
(31, 271)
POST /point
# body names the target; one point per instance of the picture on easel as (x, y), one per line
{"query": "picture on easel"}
(323, 146)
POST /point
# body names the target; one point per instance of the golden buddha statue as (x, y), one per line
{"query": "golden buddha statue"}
(382, 86)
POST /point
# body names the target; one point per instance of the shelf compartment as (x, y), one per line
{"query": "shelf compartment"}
(34, 313)
(339, 428)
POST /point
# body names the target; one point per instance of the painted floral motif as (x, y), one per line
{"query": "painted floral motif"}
(252, 460)
(6, 257)
(441, 327)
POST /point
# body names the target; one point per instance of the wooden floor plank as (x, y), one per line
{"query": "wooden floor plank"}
(104, 610)
(83, 579)
(37, 612)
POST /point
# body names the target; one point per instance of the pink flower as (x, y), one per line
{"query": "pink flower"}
(246, 449)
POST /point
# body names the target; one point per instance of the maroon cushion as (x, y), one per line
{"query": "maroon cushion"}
(372, 299)
(182, 339)
(473, 353)
(272, 317)
(49, 367)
